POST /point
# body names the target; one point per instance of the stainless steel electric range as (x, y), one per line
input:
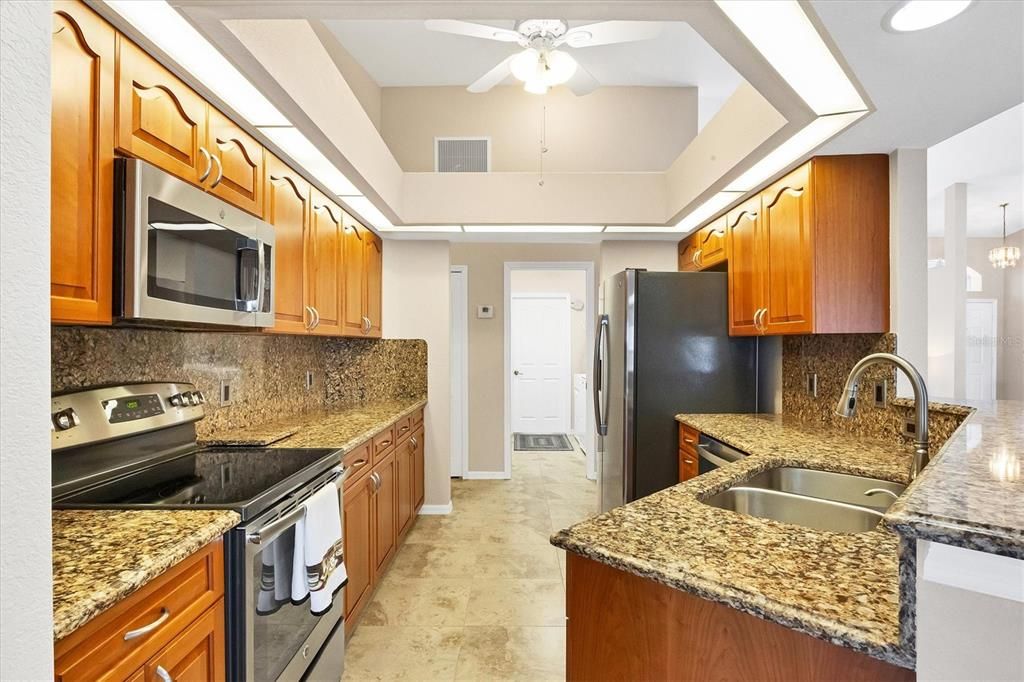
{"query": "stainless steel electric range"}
(134, 447)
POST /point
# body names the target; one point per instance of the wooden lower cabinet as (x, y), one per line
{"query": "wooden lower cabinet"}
(188, 642)
(381, 501)
(624, 627)
(688, 458)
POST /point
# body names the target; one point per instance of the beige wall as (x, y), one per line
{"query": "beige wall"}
(486, 282)
(574, 284)
(363, 86)
(613, 129)
(416, 305)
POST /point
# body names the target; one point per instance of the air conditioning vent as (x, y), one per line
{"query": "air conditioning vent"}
(462, 154)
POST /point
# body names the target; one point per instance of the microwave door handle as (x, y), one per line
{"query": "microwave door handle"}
(247, 278)
(261, 275)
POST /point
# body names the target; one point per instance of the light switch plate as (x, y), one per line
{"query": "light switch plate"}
(484, 312)
(880, 392)
(309, 379)
(811, 384)
(227, 393)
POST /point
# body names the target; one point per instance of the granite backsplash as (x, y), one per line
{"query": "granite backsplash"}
(831, 357)
(267, 371)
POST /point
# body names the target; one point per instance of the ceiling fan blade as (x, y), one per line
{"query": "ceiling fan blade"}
(467, 28)
(492, 77)
(582, 81)
(611, 32)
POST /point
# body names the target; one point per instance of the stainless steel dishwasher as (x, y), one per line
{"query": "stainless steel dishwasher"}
(714, 454)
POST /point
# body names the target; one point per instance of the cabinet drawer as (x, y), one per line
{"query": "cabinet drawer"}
(403, 428)
(688, 467)
(417, 418)
(688, 437)
(99, 650)
(195, 654)
(357, 462)
(383, 443)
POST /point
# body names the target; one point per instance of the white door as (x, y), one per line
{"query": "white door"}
(540, 352)
(459, 358)
(981, 348)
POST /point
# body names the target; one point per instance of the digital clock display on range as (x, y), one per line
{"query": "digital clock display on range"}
(132, 407)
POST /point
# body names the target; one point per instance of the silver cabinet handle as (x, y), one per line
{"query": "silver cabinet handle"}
(146, 629)
(316, 318)
(696, 257)
(377, 483)
(220, 172)
(764, 314)
(209, 164)
(414, 441)
(367, 324)
(163, 674)
(309, 309)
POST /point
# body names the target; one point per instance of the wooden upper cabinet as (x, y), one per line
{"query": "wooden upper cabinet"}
(81, 165)
(688, 254)
(353, 264)
(237, 173)
(159, 119)
(789, 256)
(324, 267)
(711, 244)
(745, 273)
(374, 283)
(287, 209)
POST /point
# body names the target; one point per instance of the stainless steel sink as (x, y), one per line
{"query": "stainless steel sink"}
(811, 498)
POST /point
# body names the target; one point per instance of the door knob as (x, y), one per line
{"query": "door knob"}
(516, 372)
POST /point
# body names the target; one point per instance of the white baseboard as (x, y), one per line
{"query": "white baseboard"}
(436, 509)
(468, 475)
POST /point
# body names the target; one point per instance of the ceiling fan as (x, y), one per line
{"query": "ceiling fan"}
(541, 65)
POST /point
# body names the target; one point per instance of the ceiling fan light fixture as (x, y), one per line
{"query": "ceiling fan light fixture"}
(536, 86)
(560, 67)
(526, 65)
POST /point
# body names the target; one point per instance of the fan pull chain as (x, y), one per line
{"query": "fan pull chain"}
(543, 142)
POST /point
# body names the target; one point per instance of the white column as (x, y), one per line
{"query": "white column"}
(955, 253)
(908, 258)
(26, 641)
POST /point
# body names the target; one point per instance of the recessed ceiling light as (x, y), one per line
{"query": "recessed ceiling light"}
(916, 15)
(532, 228)
(785, 36)
(169, 31)
(370, 213)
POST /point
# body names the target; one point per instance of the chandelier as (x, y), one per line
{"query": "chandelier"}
(1004, 256)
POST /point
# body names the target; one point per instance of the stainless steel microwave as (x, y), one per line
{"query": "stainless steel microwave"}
(183, 255)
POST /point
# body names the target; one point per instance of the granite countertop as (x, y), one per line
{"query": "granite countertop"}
(101, 556)
(342, 428)
(972, 493)
(839, 587)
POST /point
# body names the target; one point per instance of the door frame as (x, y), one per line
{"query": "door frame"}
(459, 358)
(590, 434)
(993, 303)
(565, 297)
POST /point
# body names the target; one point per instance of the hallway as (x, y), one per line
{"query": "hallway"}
(480, 594)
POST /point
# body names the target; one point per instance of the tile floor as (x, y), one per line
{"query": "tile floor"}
(480, 594)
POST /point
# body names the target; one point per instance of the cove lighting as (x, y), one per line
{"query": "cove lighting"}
(423, 228)
(785, 36)
(533, 228)
(916, 15)
(809, 137)
(169, 31)
(641, 229)
(710, 207)
(370, 213)
(296, 145)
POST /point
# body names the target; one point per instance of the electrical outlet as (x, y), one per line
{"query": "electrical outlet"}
(227, 393)
(910, 428)
(881, 392)
(309, 379)
(811, 384)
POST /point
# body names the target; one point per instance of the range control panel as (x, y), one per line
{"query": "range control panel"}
(100, 414)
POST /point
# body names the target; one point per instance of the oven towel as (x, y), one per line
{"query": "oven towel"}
(318, 545)
(276, 574)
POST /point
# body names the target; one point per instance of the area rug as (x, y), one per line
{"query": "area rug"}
(542, 441)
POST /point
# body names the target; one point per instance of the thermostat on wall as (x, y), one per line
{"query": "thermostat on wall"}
(484, 312)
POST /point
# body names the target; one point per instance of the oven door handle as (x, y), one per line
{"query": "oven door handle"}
(283, 523)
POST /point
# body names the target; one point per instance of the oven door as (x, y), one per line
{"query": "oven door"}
(191, 257)
(282, 639)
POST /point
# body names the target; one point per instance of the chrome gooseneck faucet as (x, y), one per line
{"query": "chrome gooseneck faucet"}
(848, 401)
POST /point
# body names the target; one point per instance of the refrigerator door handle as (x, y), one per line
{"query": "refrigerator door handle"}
(600, 390)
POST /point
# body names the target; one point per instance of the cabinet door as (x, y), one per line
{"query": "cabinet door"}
(196, 655)
(744, 267)
(359, 557)
(159, 119)
(688, 254)
(374, 282)
(354, 277)
(287, 200)
(385, 508)
(787, 254)
(406, 454)
(418, 469)
(237, 174)
(711, 243)
(324, 266)
(81, 165)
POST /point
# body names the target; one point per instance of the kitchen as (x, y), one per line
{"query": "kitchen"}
(248, 260)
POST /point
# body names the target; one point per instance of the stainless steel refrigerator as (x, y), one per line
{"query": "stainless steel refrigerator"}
(662, 348)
